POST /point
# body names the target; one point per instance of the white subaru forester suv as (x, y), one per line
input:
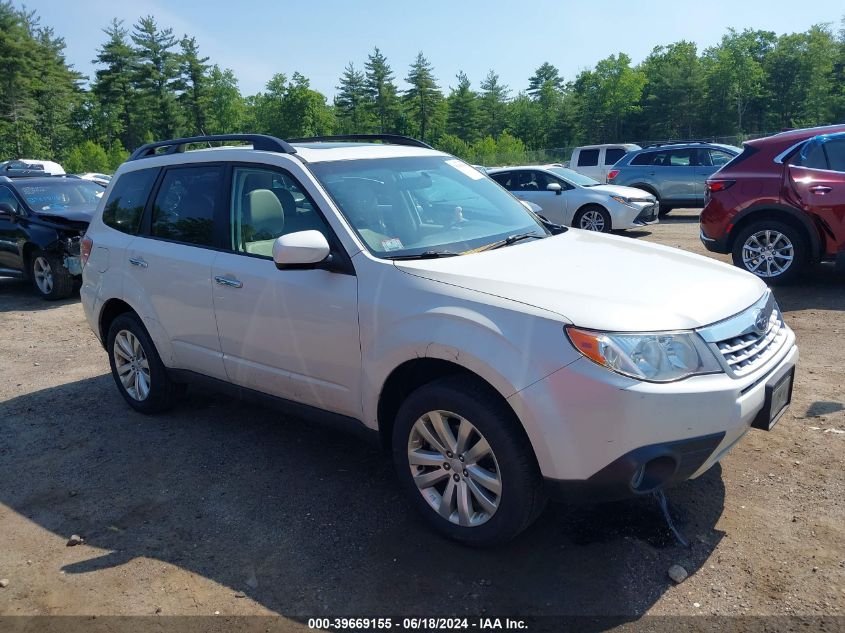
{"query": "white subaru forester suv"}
(391, 287)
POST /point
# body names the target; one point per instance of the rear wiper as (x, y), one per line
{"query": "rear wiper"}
(510, 239)
(425, 255)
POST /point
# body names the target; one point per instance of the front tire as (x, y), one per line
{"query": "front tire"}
(593, 218)
(773, 250)
(136, 367)
(465, 462)
(49, 276)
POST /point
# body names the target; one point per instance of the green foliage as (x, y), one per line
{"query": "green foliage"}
(463, 110)
(493, 105)
(87, 157)
(149, 85)
(382, 94)
(423, 99)
(224, 106)
(351, 102)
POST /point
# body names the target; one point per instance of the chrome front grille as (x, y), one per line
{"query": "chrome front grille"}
(744, 353)
(750, 339)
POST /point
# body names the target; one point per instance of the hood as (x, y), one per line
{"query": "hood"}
(605, 282)
(70, 217)
(625, 192)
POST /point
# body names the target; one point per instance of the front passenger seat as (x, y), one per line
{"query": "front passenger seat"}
(266, 221)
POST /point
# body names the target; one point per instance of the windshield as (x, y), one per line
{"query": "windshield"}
(574, 177)
(423, 204)
(61, 194)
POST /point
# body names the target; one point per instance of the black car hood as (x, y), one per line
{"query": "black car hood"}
(75, 218)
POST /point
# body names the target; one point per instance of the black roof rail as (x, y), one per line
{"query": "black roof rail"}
(177, 145)
(392, 139)
(696, 142)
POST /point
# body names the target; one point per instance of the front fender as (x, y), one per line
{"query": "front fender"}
(507, 349)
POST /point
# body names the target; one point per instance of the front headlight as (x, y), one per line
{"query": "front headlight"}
(650, 356)
(621, 200)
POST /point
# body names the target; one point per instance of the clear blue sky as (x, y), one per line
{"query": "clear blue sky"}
(257, 38)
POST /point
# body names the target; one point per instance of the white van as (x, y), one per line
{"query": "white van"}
(596, 160)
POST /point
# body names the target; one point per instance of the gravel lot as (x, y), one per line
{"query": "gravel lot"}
(220, 507)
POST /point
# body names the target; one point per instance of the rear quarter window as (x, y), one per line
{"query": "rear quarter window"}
(613, 154)
(588, 158)
(127, 200)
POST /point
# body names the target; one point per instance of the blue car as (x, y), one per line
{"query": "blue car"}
(675, 174)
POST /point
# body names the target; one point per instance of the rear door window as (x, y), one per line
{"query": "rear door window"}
(836, 154)
(811, 155)
(613, 154)
(127, 200)
(185, 205)
(680, 158)
(588, 158)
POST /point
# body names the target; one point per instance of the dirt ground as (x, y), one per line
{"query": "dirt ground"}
(220, 507)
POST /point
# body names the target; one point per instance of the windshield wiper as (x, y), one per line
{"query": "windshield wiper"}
(425, 255)
(510, 239)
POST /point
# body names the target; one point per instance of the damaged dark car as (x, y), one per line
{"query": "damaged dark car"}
(42, 221)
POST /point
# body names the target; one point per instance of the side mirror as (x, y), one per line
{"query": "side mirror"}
(554, 186)
(303, 249)
(7, 209)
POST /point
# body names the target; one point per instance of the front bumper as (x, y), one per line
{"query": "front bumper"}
(592, 429)
(639, 471)
(636, 215)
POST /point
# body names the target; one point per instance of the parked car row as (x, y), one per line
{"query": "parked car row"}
(394, 288)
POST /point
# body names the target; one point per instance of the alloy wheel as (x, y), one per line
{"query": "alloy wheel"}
(131, 364)
(454, 468)
(592, 221)
(767, 253)
(43, 273)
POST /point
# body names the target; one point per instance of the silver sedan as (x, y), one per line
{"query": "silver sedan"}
(572, 199)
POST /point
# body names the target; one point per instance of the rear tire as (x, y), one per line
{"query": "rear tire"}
(49, 276)
(593, 217)
(773, 250)
(465, 506)
(136, 367)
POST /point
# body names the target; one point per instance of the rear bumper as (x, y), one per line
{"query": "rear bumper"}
(714, 245)
(639, 471)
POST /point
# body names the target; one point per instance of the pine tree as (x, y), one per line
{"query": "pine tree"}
(351, 101)
(381, 92)
(423, 98)
(546, 74)
(463, 110)
(114, 88)
(155, 75)
(493, 105)
(193, 84)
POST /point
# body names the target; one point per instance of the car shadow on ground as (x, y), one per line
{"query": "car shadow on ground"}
(820, 288)
(19, 295)
(308, 521)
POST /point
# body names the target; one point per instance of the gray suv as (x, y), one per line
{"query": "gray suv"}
(674, 173)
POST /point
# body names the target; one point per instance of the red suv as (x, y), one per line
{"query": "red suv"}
(780, 204)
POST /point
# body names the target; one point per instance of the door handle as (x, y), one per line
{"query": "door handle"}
(138, 261)
(820, 189)
(228, 282)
